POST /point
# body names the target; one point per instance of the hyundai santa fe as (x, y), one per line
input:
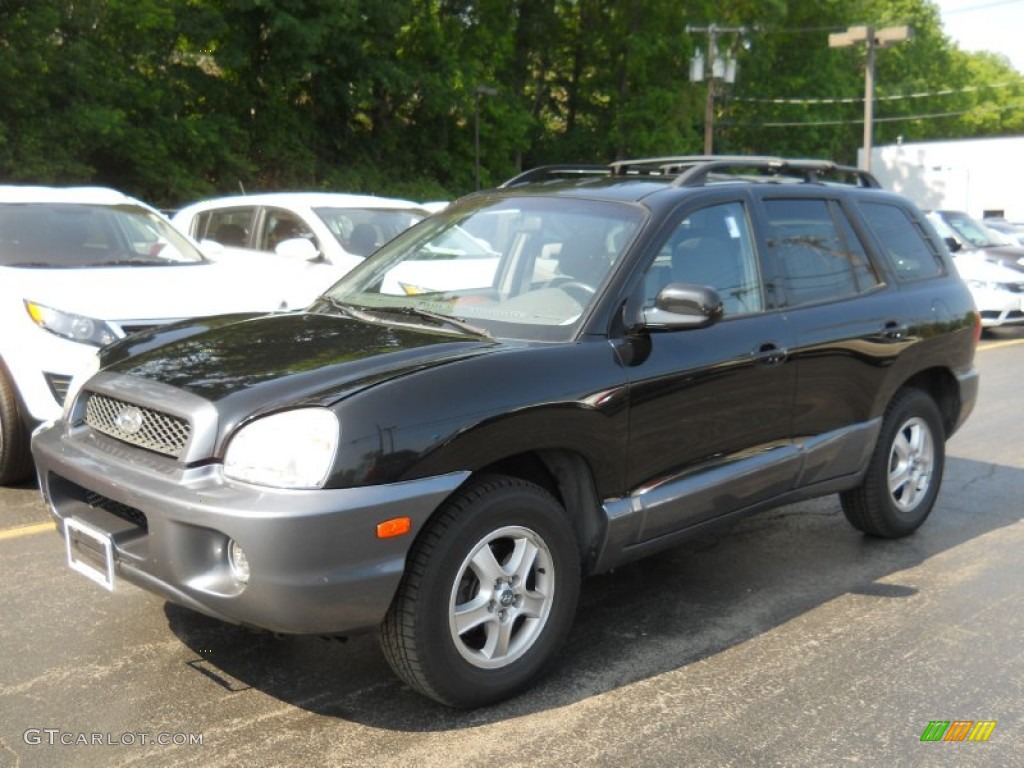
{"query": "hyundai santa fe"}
(540, 383)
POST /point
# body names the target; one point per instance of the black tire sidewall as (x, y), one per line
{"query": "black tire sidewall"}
(15, 463)
(517, 504)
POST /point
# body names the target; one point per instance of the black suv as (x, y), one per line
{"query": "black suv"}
(542, 382)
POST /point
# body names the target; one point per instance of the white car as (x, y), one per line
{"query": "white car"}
(79, 269)
(998, 291)
(319, 235)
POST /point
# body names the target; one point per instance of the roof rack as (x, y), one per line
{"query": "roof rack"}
(697, 170)
(554, 173)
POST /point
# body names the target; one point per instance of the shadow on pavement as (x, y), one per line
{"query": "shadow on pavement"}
(643, 620)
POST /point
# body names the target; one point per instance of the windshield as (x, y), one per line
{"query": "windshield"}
(63, 235)
(974, 232)
(361, 231)
(525, 268)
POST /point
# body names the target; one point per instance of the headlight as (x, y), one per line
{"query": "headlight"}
(75, 327)
(78, 381)
(292, 449)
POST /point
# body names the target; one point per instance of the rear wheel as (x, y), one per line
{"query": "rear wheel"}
(905, 471)
(488, 595)
(15, 458)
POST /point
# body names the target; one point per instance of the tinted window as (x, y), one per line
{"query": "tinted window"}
(816, 253)
(901, 239)
(711, 247)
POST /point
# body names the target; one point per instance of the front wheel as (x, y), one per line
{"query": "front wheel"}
(905, 471)
(488, 594)
(15, 458)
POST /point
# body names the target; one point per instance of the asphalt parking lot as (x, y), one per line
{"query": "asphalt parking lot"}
(788, 640)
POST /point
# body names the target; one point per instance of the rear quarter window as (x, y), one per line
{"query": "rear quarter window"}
(910, 252)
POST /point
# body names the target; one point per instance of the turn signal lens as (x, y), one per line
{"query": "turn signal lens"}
(396, 526)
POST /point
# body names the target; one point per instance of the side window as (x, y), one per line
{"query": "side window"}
(227, 226)
(280, 225)
(911, 253)
(713, 247)
(815, 251)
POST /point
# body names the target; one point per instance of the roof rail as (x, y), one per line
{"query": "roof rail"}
(555, 172)
(695, 170)
(698, 170)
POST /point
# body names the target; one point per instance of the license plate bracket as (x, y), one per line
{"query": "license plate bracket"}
(90, 551)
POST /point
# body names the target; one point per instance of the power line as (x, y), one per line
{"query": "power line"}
(894, 119)
(981, 7)
(895, 97)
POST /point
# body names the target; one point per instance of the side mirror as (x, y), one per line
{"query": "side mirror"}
(211, 249)
(298, 248)
(682, 305)
(953, 244)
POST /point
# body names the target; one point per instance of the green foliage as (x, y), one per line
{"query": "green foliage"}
(173, 100)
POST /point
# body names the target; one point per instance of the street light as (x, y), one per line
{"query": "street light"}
(481, 90)
(873, 39)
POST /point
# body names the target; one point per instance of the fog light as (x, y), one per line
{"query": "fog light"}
(238, 561)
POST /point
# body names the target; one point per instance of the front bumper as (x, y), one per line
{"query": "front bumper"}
(317, 566)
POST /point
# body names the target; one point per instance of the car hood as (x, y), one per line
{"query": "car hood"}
(144, 292)
(975, 266)
(255, 363)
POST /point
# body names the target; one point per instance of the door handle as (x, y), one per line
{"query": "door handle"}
(770, 353)
(894, 331)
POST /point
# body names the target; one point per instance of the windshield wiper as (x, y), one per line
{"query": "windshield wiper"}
(353, 311)
(456, 322)
(367, 315)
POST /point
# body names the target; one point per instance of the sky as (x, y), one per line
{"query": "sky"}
(986, 25)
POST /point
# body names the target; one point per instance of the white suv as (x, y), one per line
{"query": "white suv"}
(80, 268)
(320, 236)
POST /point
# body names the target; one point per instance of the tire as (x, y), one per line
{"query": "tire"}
(905, 471)
(488, 595)
(15, 457)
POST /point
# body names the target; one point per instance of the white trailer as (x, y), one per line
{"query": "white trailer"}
(982, 177)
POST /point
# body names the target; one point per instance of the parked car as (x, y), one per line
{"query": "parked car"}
(997, 290)
(650, 351)
(965, 233)
(320, 235)
(1009, 229)
(79, 269)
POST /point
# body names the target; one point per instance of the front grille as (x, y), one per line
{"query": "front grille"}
(131, 514)
(133, 424)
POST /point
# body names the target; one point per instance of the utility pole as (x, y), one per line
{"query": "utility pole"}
(481, 90)
(715, 66)
(872, 39)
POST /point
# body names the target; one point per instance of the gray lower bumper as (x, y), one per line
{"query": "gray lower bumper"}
(317, 565)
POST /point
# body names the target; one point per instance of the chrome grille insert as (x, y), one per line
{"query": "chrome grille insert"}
(133, 424)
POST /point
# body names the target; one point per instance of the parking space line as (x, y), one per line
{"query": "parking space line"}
(998, 344)
(25, 530)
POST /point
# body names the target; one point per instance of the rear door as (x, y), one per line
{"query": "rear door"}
(849, 326)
